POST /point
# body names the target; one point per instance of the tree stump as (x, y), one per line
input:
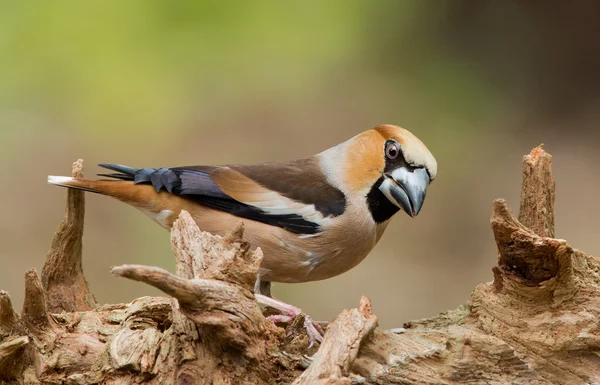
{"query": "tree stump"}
(537, 322)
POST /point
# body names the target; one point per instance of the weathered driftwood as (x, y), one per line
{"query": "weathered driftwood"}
(537, 193)
(62, 275)
(333, 362)
(537, 322)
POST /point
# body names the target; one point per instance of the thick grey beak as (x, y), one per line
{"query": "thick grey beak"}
(406, 189)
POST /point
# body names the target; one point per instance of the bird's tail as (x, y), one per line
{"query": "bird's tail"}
(74, 183)
(121, 188)
(124, 191)
(132, 186)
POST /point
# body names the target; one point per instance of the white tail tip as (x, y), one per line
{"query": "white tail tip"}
(59, 180)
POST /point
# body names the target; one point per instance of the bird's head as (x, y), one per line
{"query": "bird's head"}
(392, 167)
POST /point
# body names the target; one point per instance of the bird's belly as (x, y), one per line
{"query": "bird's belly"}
(288, 257)
(295, 262)
(308, 269)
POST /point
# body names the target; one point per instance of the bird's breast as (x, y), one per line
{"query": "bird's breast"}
(301, 258)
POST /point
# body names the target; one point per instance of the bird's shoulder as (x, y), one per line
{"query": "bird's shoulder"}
(301, 181)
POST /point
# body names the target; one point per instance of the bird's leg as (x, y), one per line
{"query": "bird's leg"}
(262, 290)
(262, 287)
(290, 312)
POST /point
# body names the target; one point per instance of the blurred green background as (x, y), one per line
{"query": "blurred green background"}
(164, 83)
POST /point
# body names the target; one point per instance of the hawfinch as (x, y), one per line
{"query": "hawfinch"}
(314, 218)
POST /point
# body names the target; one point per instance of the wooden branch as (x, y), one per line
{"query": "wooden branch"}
(62, 275)
(184, 290)
(536, 323)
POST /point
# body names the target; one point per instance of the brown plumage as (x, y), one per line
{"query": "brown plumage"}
(314, 218)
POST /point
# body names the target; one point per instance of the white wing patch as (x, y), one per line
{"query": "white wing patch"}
(304, 236)
(273, 203)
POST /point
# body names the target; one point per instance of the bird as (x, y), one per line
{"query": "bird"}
(314, 218)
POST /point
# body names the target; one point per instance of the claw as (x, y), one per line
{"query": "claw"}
(280, 318)
(313, 331)
(290, 312)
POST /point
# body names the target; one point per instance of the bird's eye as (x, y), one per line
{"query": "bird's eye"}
(392, 151)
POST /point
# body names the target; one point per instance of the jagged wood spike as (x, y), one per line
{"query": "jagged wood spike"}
(236, 235)
(203, 255)
(185, 242)
(34, 313)
(538, 193)
(62, 274)
(184, 267)
(340, 347)
(8, 317)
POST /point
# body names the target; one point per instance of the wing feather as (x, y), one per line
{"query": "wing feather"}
(294, 195)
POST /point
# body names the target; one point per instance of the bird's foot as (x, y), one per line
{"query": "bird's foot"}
(289, 313)
(280, 318)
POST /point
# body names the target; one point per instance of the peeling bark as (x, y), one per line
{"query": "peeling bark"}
(537, 322)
